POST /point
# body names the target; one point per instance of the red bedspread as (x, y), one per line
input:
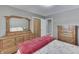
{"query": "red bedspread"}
(29, 47)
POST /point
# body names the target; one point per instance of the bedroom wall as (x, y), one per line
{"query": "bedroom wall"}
(8, 11)
(66, 18)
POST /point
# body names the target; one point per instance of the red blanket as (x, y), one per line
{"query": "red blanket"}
(29, 47)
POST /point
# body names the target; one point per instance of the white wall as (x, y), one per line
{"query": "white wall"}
(8, 11)
(65, 18)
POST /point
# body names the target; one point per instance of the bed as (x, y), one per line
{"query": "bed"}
(58, 47)
(45, 45)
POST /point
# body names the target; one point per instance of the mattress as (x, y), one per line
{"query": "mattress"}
(58, 47)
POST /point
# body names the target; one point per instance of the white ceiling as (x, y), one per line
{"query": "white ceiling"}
(45, 11)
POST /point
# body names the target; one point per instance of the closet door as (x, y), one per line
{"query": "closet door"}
(37, 27)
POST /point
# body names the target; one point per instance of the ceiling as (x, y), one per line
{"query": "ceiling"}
(45, 10)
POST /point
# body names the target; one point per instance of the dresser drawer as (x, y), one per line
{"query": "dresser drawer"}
(19, 39)
(26, 37)
(9, 50)
(10, 44)
(1, 44)
(5, 41)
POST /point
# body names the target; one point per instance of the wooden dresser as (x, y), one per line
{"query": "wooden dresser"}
(8, 44)
(68, 34)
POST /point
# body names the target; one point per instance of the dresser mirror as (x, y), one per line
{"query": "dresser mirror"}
(17, 24)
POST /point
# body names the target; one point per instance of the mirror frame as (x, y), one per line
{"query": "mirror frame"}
(8, 22)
